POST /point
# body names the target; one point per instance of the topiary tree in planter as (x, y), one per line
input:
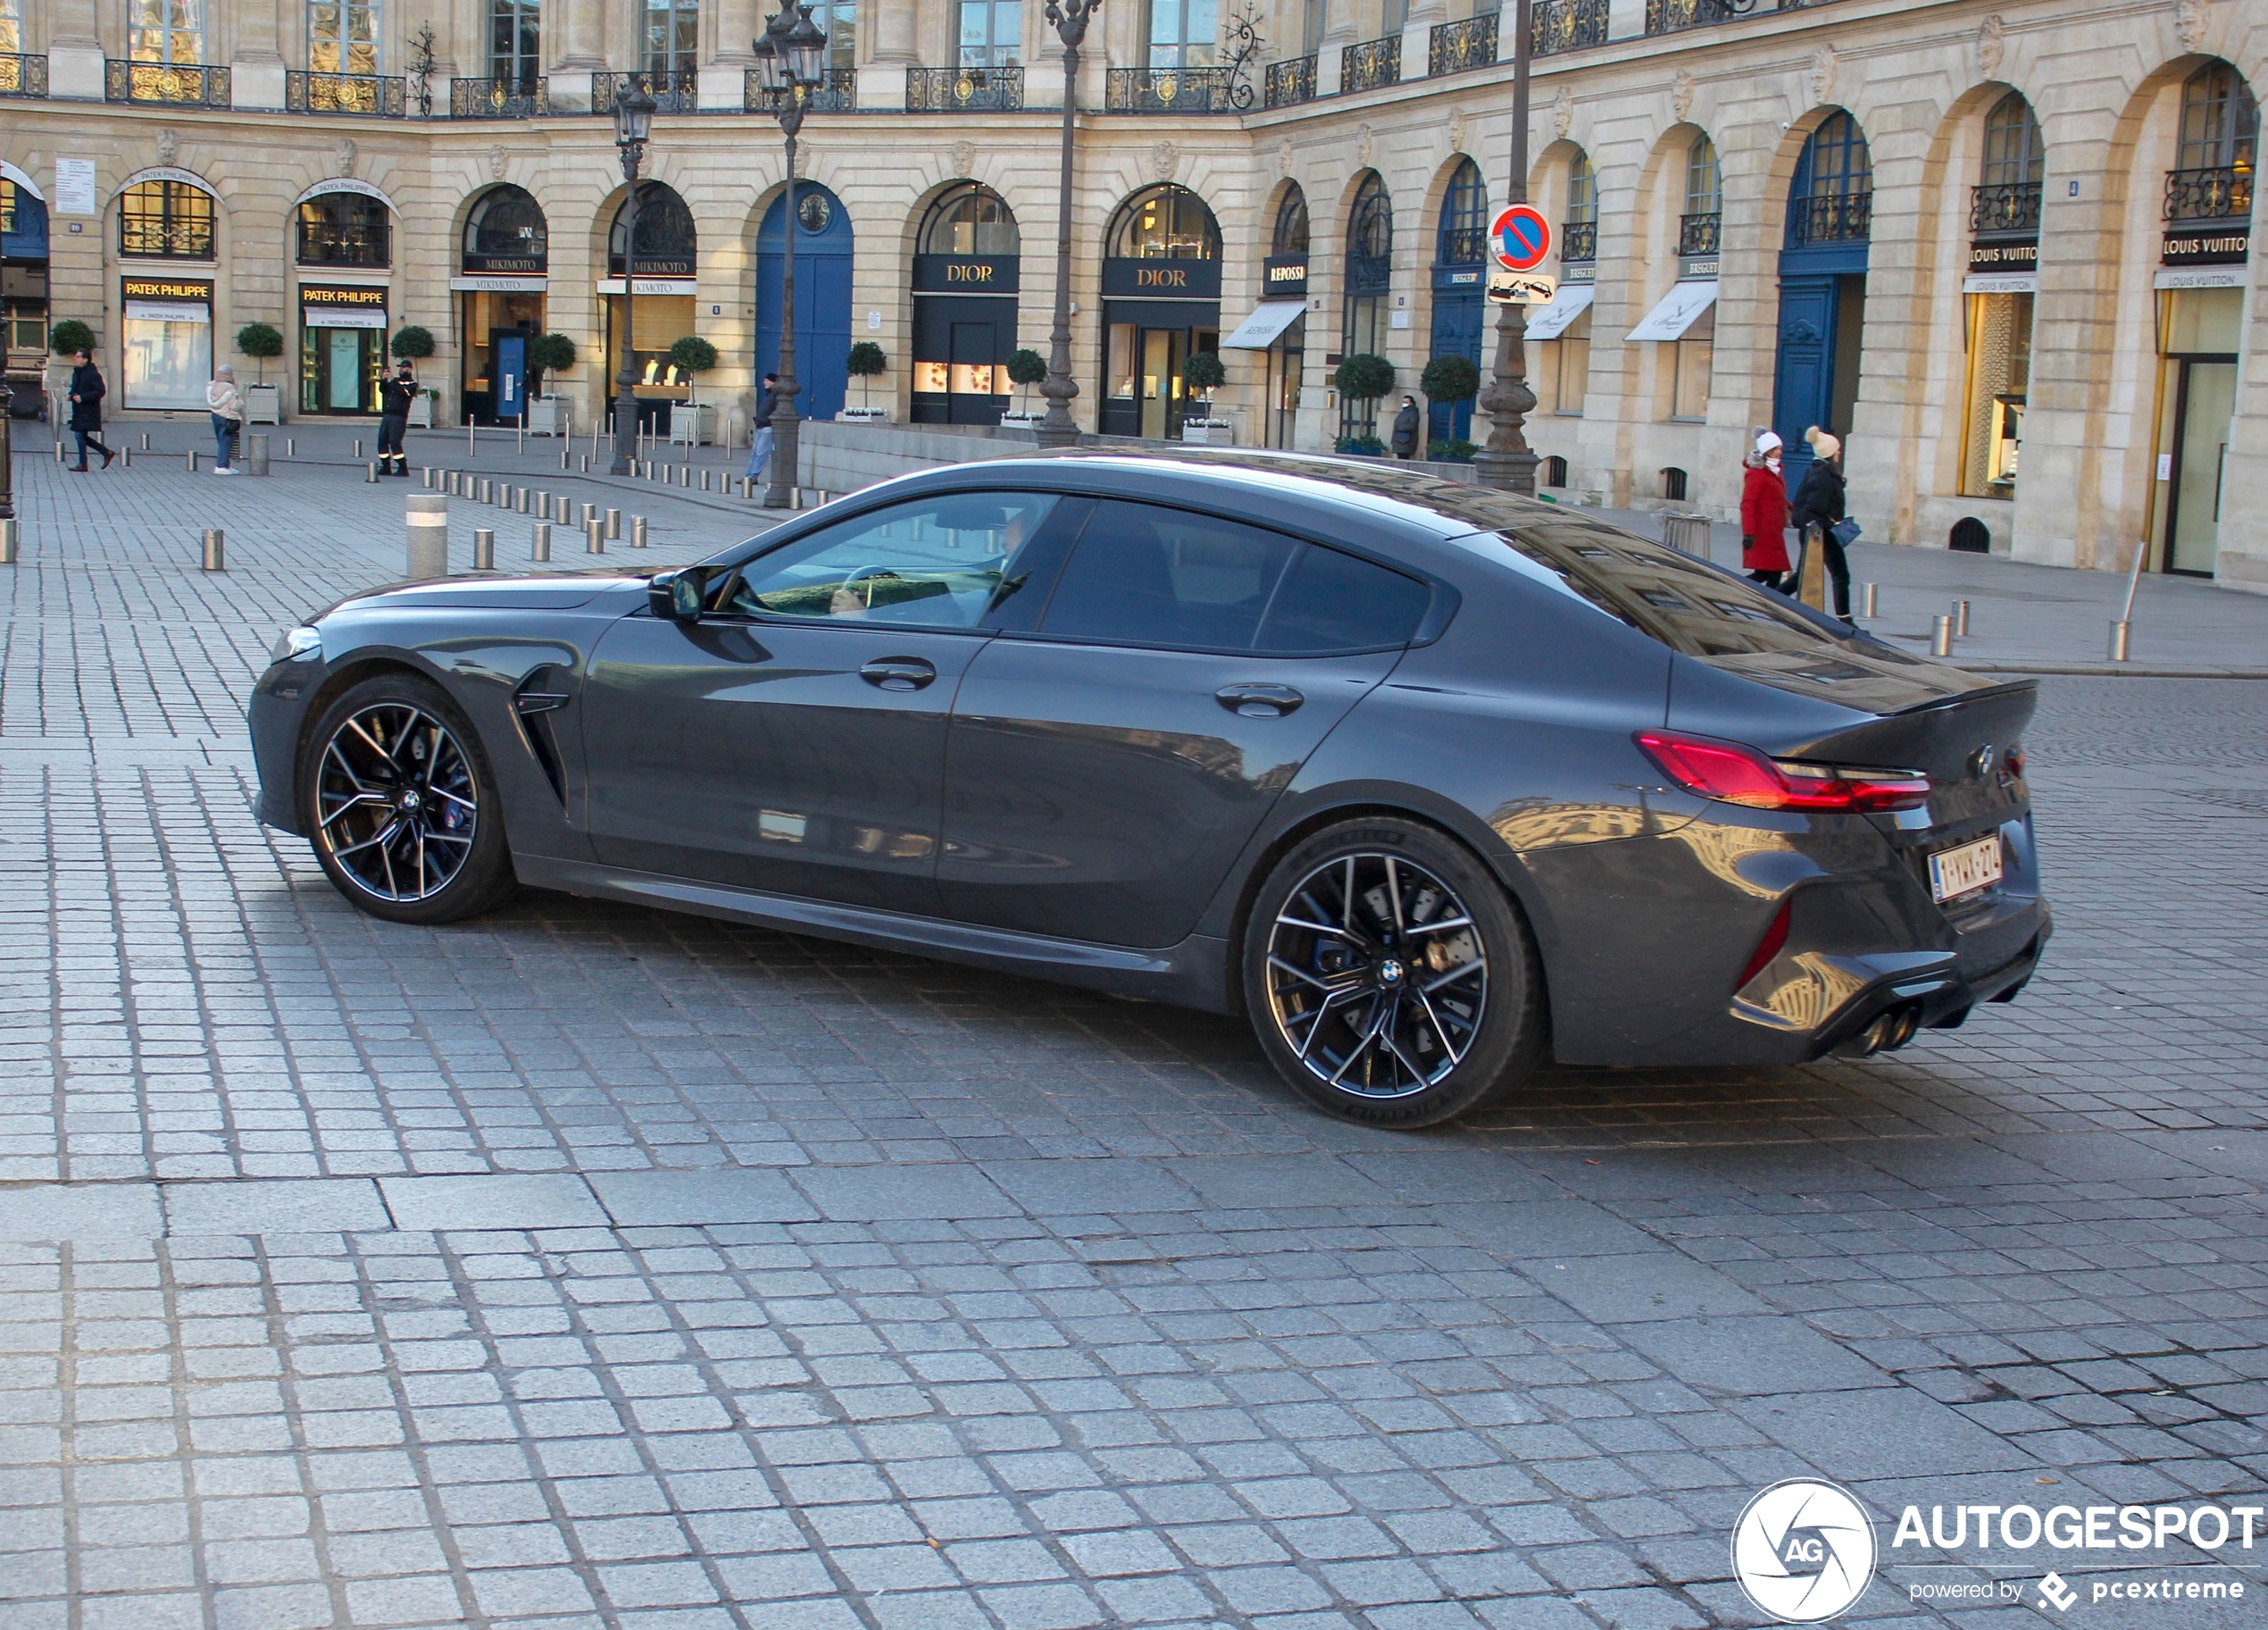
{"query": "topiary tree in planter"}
(1363, 377)
(68, 336)
(865, 361)
(1204, 374)
(693, 356)
(413, 341)
(1450, 379)
(262, 342)
(549, 354)
(1026, 368)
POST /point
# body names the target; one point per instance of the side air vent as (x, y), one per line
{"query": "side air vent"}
(534, 703)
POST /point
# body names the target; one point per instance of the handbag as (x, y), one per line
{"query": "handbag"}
(1844, 531)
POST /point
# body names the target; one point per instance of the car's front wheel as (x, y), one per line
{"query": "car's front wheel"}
(401, 806)
(1390, 977)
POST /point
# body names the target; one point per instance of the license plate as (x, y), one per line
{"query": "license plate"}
(1954, 872)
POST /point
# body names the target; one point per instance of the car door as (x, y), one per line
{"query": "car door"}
(792, 739)
(1104, 769)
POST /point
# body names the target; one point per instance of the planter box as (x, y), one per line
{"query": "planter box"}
(1023, 422)
(264, 405)
(1205, 433)
(864, 415)
(695, 423)
(551, 416)
(421, 413)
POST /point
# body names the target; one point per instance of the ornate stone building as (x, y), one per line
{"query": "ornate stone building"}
(2004, 252)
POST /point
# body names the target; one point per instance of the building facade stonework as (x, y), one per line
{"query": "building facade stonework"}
(2003, 251)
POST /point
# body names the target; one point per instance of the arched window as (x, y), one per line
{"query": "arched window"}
(2007, 195)
(1166, 222)
(1698, 226)
(505, 232)
(1462, 240)
(2211, 180)
(667, 245)
(1832, 198)
(1579, 232)
(1291, 224)
(165, 220)
(1370, 276)
(969, 220)
(344, 229)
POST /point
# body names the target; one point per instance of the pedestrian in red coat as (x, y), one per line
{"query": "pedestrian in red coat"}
(1763, 515)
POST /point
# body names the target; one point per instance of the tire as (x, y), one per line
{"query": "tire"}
(401, 806)
(1416, 1000)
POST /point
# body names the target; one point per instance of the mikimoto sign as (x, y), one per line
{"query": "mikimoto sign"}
(1520, 237)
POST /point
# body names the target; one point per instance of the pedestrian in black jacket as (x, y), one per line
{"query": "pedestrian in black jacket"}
(87, 393)
(394, 399)
(1406, 429)
(1818, 503)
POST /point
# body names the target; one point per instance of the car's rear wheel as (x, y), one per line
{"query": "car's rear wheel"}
(401, 806)
(1390, 977)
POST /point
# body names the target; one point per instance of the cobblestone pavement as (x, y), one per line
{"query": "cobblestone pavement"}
(587, 1266)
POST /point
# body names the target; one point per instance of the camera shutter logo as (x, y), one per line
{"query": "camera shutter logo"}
(1802, 1550)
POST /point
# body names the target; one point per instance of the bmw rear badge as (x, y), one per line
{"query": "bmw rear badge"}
(1981, 762)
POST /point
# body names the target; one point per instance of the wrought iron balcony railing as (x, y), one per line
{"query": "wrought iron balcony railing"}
(672, 93)
(1566, 25)
(1672, 16)
(22, 75)
(1577, 241)
(162, 238)
(1373, 64)
(1175, 90)
(953, 90)
(1698, 234)
(499, 98)
(2218, 192)
(1839, 217)
(335, 243)
(2005, 206)
(1453, 47)
(837, 92)
(179, 83)
(1462, 246)
(373, 96)
(1291, 81)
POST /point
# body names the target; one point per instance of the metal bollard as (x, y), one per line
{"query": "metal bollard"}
(291, 446)
(590, 514)
(584, 465)
(428, 524)
(543, 507)
(562, 457)
(1867, 599)
(595, 536)
(216, 556)
(358, 446)
(470, 446)
(370, 472)
(795, 497)
(637, 531)
(704, 480)
(685, 475)
(255, 454)
(1961, 618)
(613, 526)
(146, 442)
(2122, 641)
(541, 548)
(520, 501)
(488, 492)
(125, 458)
(7, 543)
(1941, 636)
(484, 550)
(523, 446)
(192, 461)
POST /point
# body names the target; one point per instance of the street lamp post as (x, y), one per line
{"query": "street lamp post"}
(1068, 19)
(791, 54)
(1507, 460)
(633, 123)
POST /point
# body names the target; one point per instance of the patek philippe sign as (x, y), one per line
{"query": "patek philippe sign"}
(2004, 255)
(341, 307)
(2225, 245)
(1283, 274)
(965, 274)
(1162, 280)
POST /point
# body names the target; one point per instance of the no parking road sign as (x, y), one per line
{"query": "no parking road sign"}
(1520, 237)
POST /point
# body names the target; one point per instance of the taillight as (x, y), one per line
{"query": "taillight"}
(2013, 758)
(1737, 774)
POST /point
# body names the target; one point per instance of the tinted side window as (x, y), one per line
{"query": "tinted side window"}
(1334, 602)
(1143, 576)
(944, 562)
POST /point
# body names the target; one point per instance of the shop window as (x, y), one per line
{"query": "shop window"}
(1693, 354)
(2000, 375)
(1555, 470)
(969, 220)
(992, 33)
(506, 226)
(344, 229)
(1166, 223)
(1290, 236)
(515, 45)
(667, 245)
(165, 220)
(165, 31)
(1579, 232)
(1673, 484)
(1970, 536)
(343, 36)
(671, 51)
(1569, 370)
(1182, 33)
(165, 343)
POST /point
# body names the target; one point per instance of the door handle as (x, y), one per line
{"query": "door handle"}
(898, 673)
(1259, 701)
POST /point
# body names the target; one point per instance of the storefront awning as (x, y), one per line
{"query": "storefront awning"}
(1258, 331)
(1550, 322)
(1678, 311)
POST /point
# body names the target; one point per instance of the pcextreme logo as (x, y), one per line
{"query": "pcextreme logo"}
(1804, 1550)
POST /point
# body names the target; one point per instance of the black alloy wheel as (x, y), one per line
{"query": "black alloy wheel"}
(1390, 978)
(400, 804)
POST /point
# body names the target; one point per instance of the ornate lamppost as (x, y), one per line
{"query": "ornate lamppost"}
(1507, 460)
(790, 56)
(1068, 19)
(633, 123)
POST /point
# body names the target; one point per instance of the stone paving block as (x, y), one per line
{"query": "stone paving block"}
(1750, 1356)
(1531, 1231)
(877, 1193)
(1273, 1181)
(1117, 1186)
(501, 1200)
(315, 1206)
(1882, 1433)
(80, 1211)
(715, 1198)
(1644, 1288)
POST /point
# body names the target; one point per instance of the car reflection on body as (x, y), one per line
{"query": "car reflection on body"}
(1432, 782)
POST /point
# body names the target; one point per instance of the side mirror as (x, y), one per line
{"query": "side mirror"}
(676, 596)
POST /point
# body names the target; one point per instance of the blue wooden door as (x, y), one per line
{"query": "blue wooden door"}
(1804, 379)
(1458, 319)
(823, 297)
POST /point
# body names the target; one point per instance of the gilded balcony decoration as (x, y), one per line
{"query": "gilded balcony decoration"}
(22, 75)
(1371, 65)
(837, 92)
(1672, 16)
(1579, 240)
(1842, 217)
(499, 98)
(953, 90)
(182, 84)
(1291, 81)
(1698, 234)
(1453, 47)
(2008, 206)
(2216, 192)
(373, 96)
(1566, 25)
(1173, 90)
(672, 93)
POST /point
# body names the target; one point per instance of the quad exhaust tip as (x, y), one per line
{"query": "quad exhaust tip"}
(1886, 1033)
